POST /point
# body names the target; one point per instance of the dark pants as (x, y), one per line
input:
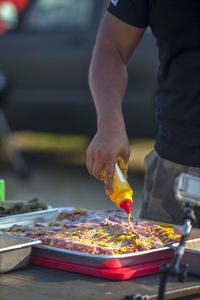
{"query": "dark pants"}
(159, 201)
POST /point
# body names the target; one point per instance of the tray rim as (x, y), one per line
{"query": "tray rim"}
(7, 217)
(27, 243)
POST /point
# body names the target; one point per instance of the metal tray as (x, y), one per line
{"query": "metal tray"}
(93, 260)
(15, 252)
(192, 258)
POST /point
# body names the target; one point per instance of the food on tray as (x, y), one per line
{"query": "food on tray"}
(20, 207)
(98, 232)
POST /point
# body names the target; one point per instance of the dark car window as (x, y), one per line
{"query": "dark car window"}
(46, 15)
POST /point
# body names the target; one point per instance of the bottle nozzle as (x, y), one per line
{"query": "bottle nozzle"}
(126, 205)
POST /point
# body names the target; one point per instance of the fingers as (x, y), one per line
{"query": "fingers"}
(94, 164)
(89, 162)
(109, 176)
(97, 169)
(125, 156)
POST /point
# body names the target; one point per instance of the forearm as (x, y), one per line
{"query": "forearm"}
(108, 78)
(108, 82)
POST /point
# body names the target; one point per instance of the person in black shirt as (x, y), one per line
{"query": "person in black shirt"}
(176, 27)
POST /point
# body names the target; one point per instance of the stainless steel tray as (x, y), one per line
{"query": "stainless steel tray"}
(14, 252)
(192, 257)
(98, 261)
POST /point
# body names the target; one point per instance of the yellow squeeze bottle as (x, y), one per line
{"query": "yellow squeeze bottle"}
(122, 192)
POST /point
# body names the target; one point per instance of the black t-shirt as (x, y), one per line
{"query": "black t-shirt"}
(176, 27)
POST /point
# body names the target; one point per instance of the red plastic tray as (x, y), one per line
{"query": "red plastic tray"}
(113, 274)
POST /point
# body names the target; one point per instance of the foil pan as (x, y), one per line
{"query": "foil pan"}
(93, 260)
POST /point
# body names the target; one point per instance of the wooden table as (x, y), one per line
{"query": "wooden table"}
(41, 283)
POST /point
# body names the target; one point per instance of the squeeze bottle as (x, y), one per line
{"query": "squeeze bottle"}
(122, 192)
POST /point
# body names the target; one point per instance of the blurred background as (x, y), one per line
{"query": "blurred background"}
(47, 117)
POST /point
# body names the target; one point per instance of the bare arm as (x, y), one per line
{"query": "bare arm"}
(108, 78)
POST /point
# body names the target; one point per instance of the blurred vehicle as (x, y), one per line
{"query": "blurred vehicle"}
(46, 54)
(9, 12)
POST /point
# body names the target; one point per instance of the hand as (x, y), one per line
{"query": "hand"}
(107, 145)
